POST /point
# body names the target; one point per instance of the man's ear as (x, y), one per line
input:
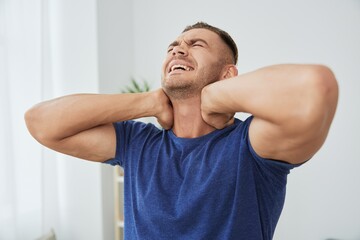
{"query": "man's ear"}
(229, 71)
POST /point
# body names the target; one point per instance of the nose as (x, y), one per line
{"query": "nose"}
(179, 51)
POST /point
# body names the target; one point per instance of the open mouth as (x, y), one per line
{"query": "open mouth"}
(180, 67)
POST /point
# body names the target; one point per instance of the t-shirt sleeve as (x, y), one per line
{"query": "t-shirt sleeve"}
(119, 131)
(126, 132)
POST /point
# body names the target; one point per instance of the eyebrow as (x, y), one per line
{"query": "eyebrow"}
(189, 42)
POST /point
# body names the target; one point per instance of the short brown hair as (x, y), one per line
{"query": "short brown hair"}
(223, 35)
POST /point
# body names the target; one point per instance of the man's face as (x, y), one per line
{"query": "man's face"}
(194, 60)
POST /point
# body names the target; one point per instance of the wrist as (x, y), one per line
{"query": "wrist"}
(207, 97)
(162, 108)
(158, 101)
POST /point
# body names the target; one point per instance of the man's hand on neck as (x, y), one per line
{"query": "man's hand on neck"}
(216, 119)
(188, 122)
(164, 109)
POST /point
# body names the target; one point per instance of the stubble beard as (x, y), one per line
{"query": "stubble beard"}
(178, 89)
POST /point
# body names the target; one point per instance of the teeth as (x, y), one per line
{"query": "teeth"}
(180, 66)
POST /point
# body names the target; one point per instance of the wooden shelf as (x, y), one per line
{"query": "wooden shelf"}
(119, 202)
(120, 224)
(120, 179)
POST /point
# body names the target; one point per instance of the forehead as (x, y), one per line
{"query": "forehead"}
(200, 33)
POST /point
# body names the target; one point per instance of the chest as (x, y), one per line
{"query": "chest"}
(176, 179)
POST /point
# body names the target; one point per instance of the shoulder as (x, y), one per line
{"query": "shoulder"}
(134, 132)
(134, 127)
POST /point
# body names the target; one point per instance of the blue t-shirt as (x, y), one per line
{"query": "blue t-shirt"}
(211, 187)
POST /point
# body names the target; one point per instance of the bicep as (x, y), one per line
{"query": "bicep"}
(293, 144)
(95, 144)
(303, 128)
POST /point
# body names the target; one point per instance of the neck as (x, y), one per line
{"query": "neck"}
(188, 122)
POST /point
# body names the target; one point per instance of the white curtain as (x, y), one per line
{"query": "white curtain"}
(20, 157)
(47, 49)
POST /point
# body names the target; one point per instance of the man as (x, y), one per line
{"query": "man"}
(205, 175)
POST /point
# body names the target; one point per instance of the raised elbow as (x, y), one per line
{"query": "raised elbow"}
(322, 96)
(325, 87)
(34, 124)
(325, 79)
(30, 121)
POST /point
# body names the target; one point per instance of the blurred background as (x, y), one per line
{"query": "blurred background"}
(50, 48)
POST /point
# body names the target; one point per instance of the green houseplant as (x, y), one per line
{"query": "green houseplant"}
(136, 87)
(139, 87)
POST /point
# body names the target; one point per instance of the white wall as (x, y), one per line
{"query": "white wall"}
(115, 44)
(323, 196)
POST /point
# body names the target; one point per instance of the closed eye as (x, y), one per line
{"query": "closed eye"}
(172, 45)
(197, 45)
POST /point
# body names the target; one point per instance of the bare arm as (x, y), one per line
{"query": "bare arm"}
(293, 107)
(81, 125)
